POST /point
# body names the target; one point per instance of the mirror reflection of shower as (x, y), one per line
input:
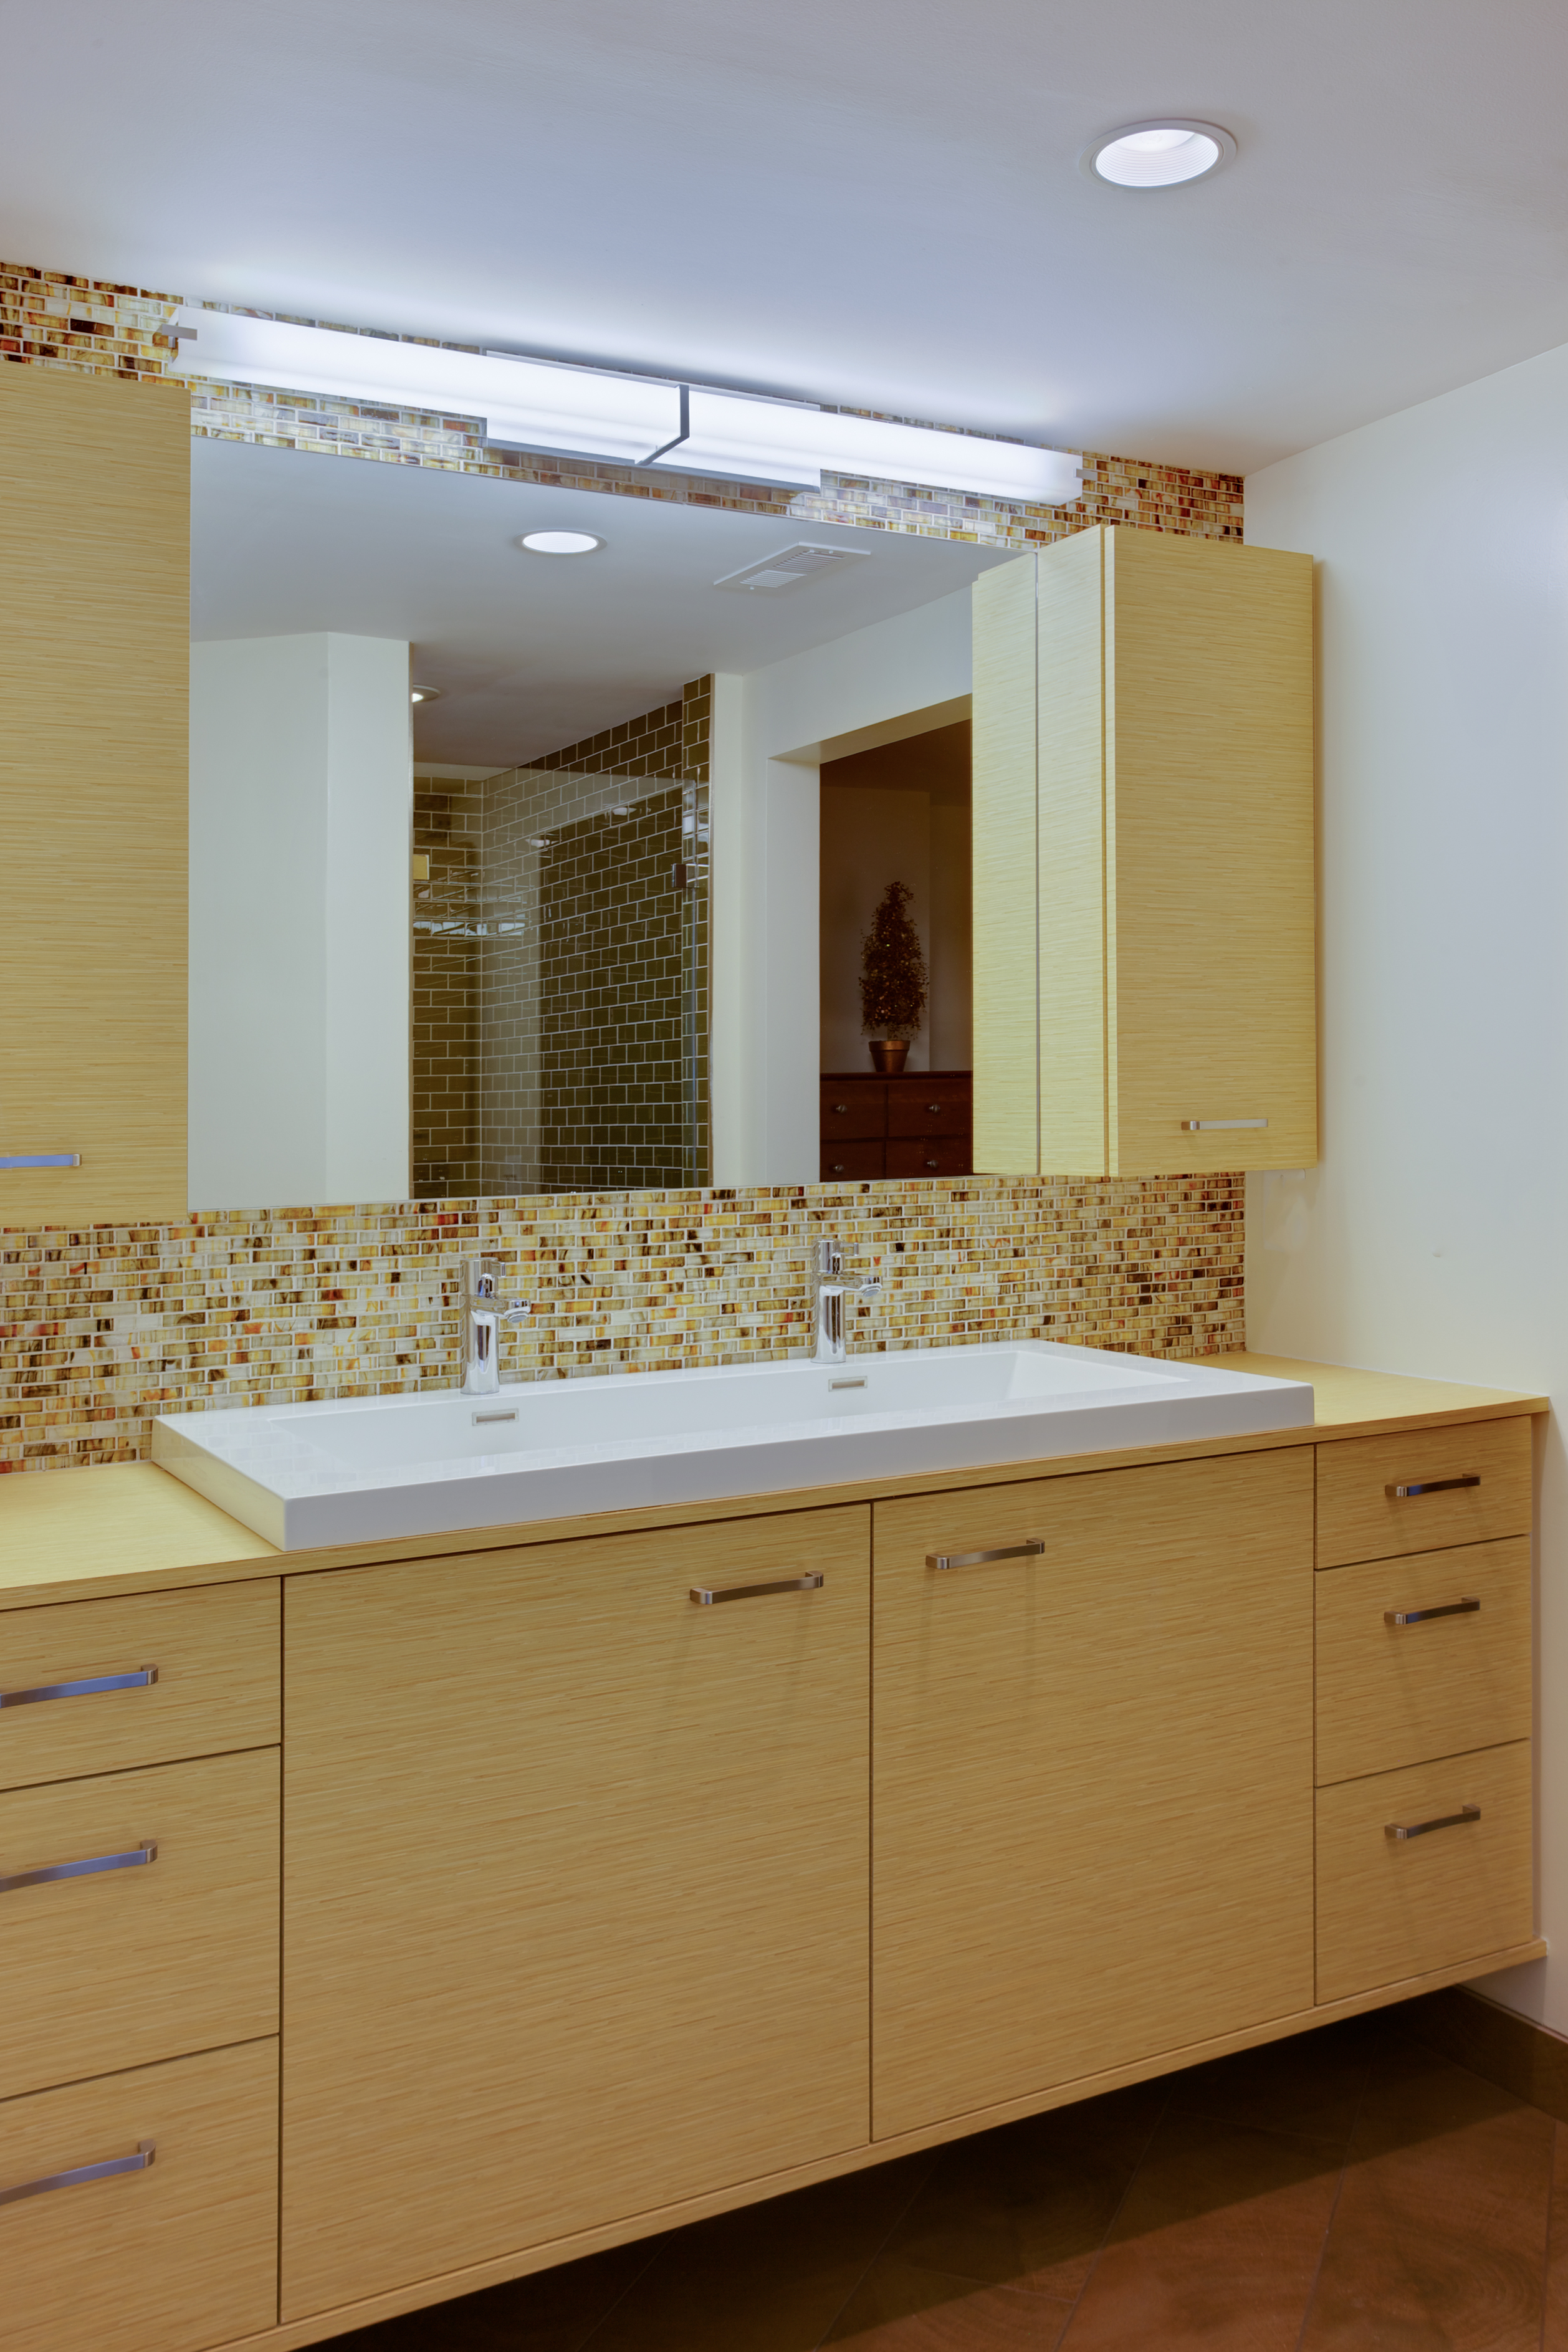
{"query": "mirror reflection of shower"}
(561, 982)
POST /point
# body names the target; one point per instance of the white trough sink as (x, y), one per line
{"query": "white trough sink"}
(365, 1467)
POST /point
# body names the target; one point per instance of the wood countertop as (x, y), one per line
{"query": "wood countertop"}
(83, 1535)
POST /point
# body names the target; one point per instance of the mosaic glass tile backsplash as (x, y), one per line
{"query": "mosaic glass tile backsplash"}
(108, 1327)
(100, 1330)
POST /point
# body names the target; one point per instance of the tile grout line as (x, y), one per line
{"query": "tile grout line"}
(1116, 2216)
(1546, 2248)
(610, 2309)
(1333, 2210)
(880, 2248)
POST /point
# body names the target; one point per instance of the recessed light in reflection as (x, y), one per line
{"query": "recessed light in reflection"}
(559, 542)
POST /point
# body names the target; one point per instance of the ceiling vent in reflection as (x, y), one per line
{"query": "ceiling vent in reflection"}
(775, 575)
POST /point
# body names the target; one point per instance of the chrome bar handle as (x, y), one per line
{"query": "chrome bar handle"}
(1431, 1487)
(1419, 1616)
(132, 1859)
(40, 1160)
(1397, 1832)
(978, 1559)
(1206, 1126)
(141, 1679)
(147, 2151)
(705, 1595)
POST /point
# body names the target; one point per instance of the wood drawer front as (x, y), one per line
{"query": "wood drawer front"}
(575, 1888)
(143, 1961)
(178, 2256)
(1093, 1813)
(1388, 1909)
(852, 1163)
(1359, 1520)
(1394, 1695)
(936, 1155)
(853, 1107)
(217, 1650)
(930, 1109)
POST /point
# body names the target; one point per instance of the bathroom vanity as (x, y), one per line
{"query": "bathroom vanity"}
(440, 1908)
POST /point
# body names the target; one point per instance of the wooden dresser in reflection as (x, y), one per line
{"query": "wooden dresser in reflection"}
(917, 1124)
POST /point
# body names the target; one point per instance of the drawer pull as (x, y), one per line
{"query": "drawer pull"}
(134, 1858)
(40, 1160)
(1398, 1831)
(978, 1558)
(145, 2152)
(1431, 1487)
(841, 1105)
(1204, 1126)
(1419, 1616)
(705, 1595)
(933, 1106)
(140, 1680)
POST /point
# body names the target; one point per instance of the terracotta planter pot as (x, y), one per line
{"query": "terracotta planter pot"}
(888, 1054)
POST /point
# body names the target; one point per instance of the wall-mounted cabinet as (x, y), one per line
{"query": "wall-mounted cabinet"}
(1144, 989)
(94, 673)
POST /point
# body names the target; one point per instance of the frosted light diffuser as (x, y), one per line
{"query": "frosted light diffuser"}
(559, 542)
(1161, 154)
(524, 404)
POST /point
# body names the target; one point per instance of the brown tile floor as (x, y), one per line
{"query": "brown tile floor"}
(1345, 2191)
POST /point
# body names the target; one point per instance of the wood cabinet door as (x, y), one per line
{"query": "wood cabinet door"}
(1092, 1776)
(1209, 905)
(95, 661)
(575, 1889)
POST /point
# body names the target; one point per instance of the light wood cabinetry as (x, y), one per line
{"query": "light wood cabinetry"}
(1143, 858)
(577, 1893)
(94, 678)
(607, 1906)
(1464, 1486)
(173, 2257)
(1454, 1674)
(1093, 1834)
(215, 1653)
(138, 1959)
(1392, 1907)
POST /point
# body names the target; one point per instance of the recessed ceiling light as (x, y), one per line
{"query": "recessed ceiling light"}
(1159, 154)
(559, 542)
(424, 694)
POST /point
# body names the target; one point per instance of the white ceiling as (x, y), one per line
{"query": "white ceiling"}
(878, 204)
(531, 651)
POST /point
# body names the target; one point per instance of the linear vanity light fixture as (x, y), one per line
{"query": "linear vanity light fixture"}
(634, 420)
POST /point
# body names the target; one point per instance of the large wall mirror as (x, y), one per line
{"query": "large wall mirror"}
(587, 912)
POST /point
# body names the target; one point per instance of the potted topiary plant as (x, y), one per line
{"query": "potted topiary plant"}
(893, 984)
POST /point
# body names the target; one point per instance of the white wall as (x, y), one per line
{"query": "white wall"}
(771, 727)
(1430, 1238)
(301, 799)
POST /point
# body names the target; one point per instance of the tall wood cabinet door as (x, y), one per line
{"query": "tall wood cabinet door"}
(94, 678)
(1092, 1776)
(1209, 831)
(575, 1889)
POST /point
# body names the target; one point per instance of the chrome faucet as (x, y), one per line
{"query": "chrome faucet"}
(482, 1317)
(827, 1302)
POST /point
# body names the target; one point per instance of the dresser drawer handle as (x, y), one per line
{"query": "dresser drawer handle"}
(841, 1105)
(1398, 1831)
(705, 1595)
(146, 2150)
(933, 1106)
(134, 1858)
(978, 1559)
(1419, 1616)
(141, 1680)
(1431, 1487)
(1204, 1126)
